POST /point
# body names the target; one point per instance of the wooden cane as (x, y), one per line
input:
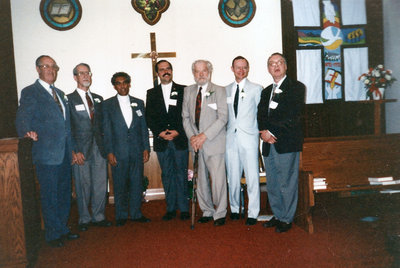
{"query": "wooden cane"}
(194, 194)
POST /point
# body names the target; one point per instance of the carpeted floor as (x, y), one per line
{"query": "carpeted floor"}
(341, 239)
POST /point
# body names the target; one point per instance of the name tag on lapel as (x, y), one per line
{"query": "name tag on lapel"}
(172, 102)
(228, 100)
(273, 105)
(139, 113)
(80, 107)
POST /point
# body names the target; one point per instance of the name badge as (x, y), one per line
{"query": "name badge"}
(80, 107)
(228, 100)
(273, 105)
(172, 102)
(139, 113)
(213, 106)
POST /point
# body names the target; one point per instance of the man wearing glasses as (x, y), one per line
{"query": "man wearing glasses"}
(90, 168)
(43, 115)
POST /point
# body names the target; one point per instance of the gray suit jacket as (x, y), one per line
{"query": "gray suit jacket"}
(83, 131)
(213, 117)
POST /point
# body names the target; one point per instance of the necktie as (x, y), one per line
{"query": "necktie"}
(235, 102)
(55, 97)
(198, 108)
(90, 105)
(272, 95)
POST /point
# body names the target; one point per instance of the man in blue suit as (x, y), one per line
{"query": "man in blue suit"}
(43, 115)
(242, 140)
(279, 122)
(90, 168)
(164, 118)
(126, 142)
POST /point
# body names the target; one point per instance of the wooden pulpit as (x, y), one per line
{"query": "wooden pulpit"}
(20, 230)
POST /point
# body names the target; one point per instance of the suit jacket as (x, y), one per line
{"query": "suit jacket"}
(213, 117)
(158, 119)
(245, 123)
(84, 132)
(285, 121)
(40, 113)
(120, 140)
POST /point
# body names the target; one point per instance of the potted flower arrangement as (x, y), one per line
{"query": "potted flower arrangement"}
(376, 80)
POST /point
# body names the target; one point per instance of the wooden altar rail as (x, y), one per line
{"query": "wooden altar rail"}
(346, 163)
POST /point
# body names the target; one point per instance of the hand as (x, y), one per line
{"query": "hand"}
(168, 135)
(197, 141)
(31, 134)
(112, 159)
(266, 136)
(146, 155)
(79, 158)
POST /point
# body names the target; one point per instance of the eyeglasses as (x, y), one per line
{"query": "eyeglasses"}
(275, 63)
(48, 67)
(117, 83)
(84, 73)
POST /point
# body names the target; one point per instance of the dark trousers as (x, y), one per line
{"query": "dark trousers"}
(174, 164)
(128, 188)
(55, 196)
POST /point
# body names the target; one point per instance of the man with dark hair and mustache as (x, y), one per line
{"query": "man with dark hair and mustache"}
(163, 115)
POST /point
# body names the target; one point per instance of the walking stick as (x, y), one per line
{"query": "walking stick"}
(194, 180)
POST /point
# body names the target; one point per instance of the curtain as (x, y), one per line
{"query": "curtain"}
(355, 64)
(353, 12)
(306, 13)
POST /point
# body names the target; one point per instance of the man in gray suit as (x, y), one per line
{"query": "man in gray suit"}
(242, 140)
(204, 114)
(90, 168)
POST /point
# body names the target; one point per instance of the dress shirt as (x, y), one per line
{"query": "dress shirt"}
(203, 91)
(125, 105)
(241, 86)
(50, 91)
(82, 93)
(166, 90)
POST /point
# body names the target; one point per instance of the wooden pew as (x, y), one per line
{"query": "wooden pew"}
(346, 163)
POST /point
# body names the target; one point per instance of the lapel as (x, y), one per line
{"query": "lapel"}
(119, 116)
(77, 100)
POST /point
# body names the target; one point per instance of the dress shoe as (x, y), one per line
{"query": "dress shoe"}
(185, 216)
(70, 236)
(142, 219)
(57, 243)
(121, 222)
(204, 219)
(271, 223)
(169, 215)
(251, 221)
(234, 216)
(219, 222)
(83, 227)
(103, 223)
(283, 227)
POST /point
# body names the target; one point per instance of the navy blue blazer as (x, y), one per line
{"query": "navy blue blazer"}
(82, 128)
(285, 121)
(40, 113)
(125, 143)
(158, 119)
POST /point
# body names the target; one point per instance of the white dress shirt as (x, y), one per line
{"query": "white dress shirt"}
(82, 93)
(125, 105)
(50, 91)
(166, 90)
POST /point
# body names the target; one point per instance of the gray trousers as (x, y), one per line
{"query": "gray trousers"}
(91, 187)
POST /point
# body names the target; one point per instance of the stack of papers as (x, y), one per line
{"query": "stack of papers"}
(383, 181)
(320, 183)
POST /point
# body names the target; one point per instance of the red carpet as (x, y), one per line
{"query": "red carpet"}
(340, 240)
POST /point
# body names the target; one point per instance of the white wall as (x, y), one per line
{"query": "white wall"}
(109, 31)
(391, 25)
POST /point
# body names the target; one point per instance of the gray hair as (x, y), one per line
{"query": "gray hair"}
(75, 70)
(209, 65)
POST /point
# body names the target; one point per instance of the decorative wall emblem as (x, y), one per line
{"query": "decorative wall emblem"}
(151, 10)
(237, 13)
(61, 14)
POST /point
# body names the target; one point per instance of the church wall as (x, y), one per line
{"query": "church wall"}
(109, 31)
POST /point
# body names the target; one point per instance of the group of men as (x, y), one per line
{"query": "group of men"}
(222, 126)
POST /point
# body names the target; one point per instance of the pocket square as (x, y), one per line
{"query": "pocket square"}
(213, 106)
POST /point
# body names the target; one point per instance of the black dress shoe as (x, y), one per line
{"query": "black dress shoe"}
(283, 227)
(204, 219)
(185, 216)
(57, 243)
(234, 216)
(103, 223)
(83, 227)
(169, 216)
(70, 236)
(219, 222)
(142, 219)
(121, 222)
(271, 223)
(251, 221)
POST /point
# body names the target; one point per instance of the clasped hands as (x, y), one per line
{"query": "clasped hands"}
(266, 136)
(168, 135)
(197, 141)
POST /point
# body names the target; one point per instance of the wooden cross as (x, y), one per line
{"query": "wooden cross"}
(153, 55)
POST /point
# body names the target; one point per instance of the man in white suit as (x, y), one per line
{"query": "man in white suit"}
(242, 140)
(204, 114)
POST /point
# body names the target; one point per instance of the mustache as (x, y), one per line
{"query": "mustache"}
(166, 74)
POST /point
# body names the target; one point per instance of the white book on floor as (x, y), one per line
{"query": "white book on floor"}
(378, 179)
(384, 182)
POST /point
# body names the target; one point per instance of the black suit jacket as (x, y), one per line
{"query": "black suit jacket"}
(83, 131)
(285, 121)
(159, 120)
